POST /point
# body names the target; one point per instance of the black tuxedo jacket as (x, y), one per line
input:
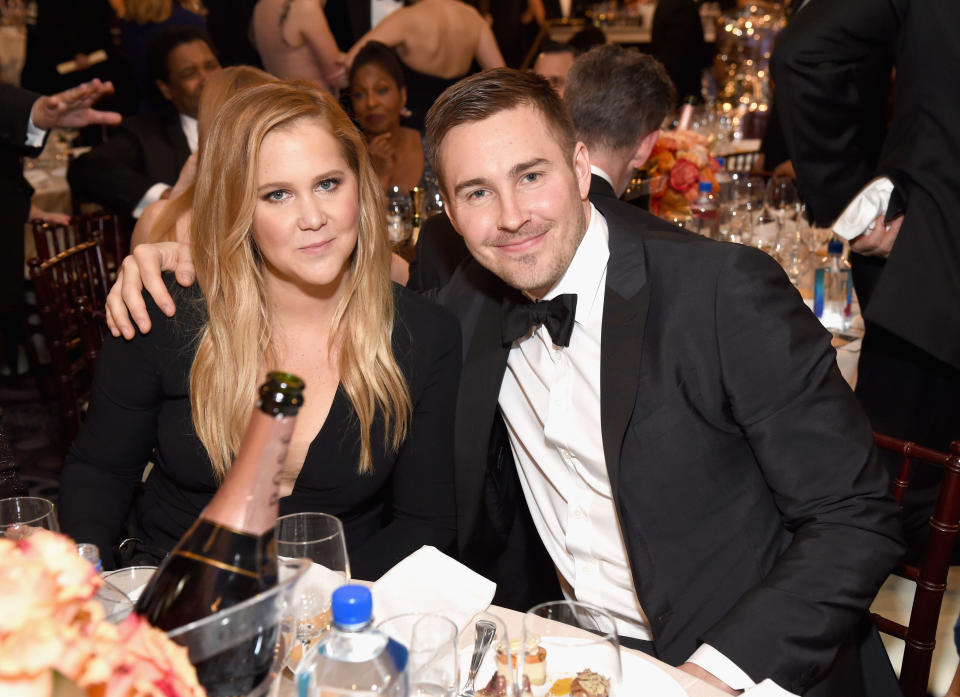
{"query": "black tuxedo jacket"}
(348, 20)
(755, 516)
(15, 191)
(141, 152)
(818, 63)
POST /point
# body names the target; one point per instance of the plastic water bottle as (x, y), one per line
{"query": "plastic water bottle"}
(706, 214)
(833, 289)
(724, 193)
(353, 658)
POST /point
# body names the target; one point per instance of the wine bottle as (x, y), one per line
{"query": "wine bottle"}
(229, 553)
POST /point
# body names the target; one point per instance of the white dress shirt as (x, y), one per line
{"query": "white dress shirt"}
(188, 125)
(550, 400)
(381, 8)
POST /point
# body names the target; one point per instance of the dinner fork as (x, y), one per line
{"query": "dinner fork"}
(485, 633)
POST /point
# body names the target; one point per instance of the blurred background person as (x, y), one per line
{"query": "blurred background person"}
(554, 62)
(676, 40)
(378, 96)
(295, 42)
(142, 21)
(438, 42)
(169, 219)
(894, 197)
(141, 160)
(25, 120)
(351, 19)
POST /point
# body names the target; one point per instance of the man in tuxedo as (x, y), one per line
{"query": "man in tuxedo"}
(351, 19)
(142, 159)
(832, 69)
(689, 454)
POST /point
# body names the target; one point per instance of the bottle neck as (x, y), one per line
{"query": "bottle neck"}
(248, 497)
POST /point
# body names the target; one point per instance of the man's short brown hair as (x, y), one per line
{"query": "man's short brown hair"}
(486, 94)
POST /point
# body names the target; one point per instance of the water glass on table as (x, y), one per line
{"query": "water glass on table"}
(319, 538)
(432, 657)
(567, 643)
(20, 515)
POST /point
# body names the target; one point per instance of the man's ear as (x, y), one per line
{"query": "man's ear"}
(581, 169)
(643, 149)
(164, 90)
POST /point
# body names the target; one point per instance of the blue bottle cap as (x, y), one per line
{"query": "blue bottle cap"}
(722, 161)
(835, 247)
(351, 605)
(705, 187)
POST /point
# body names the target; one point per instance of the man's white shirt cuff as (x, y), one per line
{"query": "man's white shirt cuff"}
(35, 135)
(153, 194)
(724, 669)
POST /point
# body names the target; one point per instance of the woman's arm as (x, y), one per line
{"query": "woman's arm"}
(105, 463)
(422, 497)
(315, 30)
(488, 53)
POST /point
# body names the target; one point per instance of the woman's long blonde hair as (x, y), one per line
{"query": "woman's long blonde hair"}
(146, 11)
(218, 88)
(236, 344)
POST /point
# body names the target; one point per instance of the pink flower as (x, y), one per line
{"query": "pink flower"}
(51, 626)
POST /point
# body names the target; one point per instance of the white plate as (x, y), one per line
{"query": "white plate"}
(640, 676)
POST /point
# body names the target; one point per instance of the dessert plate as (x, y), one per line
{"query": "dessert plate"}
(640, 676)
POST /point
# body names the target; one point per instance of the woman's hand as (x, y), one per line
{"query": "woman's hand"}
(383, 154)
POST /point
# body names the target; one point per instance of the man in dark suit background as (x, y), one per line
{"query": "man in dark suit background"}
(828, 75)
(25, 120)
(693, 461)
(142, 159)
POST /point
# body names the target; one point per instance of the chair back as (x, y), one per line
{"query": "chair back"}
(71, 289)
(930, 575)
(50, 239)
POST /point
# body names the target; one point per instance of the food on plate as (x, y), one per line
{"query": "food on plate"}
(497, 687)
(535, 660)
(589, 684)
(560, 687)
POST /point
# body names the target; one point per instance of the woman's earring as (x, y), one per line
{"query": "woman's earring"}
(405, 113)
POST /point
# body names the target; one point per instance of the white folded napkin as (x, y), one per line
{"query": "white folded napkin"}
(860, 213)
(430, 581)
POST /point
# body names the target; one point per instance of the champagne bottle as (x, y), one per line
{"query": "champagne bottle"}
(229, 553)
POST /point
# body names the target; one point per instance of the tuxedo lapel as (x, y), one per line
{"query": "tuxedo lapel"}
(479, 306)
(625, 306)
(178, 141)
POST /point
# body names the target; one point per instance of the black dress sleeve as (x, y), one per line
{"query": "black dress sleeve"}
(422, 508)
(106, 461)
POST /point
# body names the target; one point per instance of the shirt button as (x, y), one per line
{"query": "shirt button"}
(578, 513)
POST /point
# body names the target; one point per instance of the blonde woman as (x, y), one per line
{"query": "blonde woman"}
(169, 219)
(292, 264)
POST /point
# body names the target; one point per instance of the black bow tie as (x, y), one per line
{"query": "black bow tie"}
(556, 315)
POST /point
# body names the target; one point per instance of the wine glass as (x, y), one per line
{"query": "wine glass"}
(736, 225)
(319, 538)
(781, 199)
(569, 642)
(432, 658)
(20, 515)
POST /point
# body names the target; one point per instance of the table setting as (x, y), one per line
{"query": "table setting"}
(456, 644)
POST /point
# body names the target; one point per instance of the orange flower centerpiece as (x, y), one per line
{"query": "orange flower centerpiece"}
(54, 638)
(680, 161)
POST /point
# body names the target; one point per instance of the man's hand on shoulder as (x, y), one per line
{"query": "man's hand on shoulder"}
(144, 269)
(707, 677)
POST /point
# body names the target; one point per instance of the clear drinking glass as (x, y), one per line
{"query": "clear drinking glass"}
(565, 642)
(20, 515)
(432, 659)
(319, 538)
